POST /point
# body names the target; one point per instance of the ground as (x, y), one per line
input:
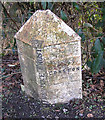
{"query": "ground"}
(16, 104)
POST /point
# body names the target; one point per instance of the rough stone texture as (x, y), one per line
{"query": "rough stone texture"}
(50, 57)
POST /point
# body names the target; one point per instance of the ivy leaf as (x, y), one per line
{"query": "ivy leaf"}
(76, 6)
(103, 63)
(50, 5)
(63, 15)
(43, 5)
(29, 14)
(88, 25)
(103, 9)
(81, 34)
(97, 63)
(97, 46)
(103, 40)
(89, 63)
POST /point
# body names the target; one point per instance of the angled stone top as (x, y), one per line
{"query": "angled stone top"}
(45, 26)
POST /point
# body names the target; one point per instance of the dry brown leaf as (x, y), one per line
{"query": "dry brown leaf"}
(81, 111)
(92, 86)
(57, 110)
(85, 93)
(89, 115)
(101, 83)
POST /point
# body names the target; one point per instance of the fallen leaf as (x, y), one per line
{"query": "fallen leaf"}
(101, 83)
(89, 115)
(85, 93)
(92, 86)
(57, 110)
(81, 111)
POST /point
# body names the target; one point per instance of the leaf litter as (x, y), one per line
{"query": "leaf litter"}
(15, 104)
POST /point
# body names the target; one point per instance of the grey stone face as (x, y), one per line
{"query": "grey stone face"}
(50, 58)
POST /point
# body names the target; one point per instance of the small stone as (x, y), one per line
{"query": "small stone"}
(22, 88)
(45, 102)
(87, 77)
(28, 99)
(10, 65)
(53, 105)
(80, 114)
(33, 103)
(49, 116)
(76, 116)
(43, 116)
(56, 117)
(65, 110)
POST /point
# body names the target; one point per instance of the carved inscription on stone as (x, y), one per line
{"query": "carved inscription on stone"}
(63, 62)
(41, 72)
(40, 66)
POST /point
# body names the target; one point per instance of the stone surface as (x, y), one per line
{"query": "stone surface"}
(50, 58)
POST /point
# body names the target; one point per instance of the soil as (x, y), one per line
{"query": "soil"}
(16, 104)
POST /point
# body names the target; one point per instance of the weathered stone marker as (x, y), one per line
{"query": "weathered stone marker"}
(50, 58)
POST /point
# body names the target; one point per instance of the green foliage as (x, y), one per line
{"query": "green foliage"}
(87, 19)
(29, 14)
(47, 5)
(81, 34)
(50, 5)
(103, 40)
(97, 63)
(88, 25)
(63, 15)
(92, 33)
(97, 57)
(76, 6)
(43, 5)
(97, 46)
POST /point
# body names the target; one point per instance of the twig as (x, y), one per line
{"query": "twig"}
(88, 6)
(9, 15)
(10, 75)
(95, 38)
